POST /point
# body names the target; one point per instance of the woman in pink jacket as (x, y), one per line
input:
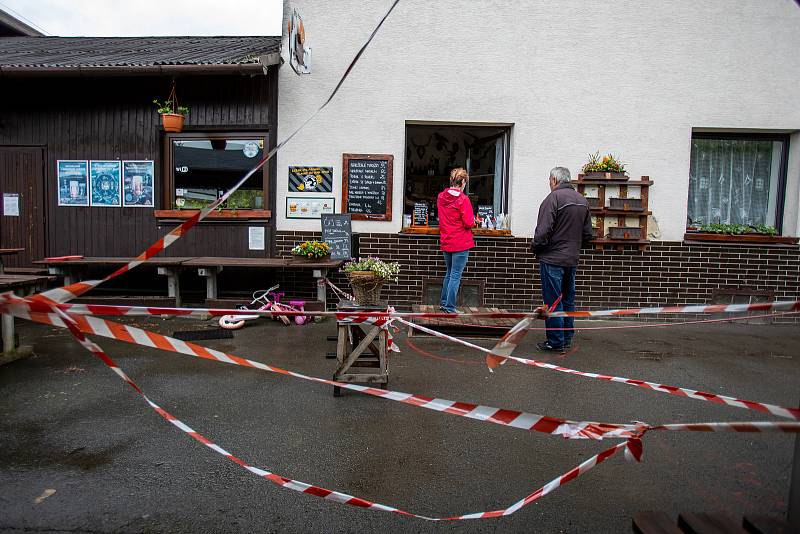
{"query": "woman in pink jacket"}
(456, 220)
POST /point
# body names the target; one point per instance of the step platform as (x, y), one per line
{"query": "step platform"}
(463, 326)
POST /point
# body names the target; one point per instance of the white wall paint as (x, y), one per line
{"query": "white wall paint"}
(573, 77)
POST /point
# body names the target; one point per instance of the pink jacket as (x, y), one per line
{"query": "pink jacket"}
(455, 220)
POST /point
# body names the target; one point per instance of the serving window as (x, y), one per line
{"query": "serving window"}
(201, 167)
(432, 151)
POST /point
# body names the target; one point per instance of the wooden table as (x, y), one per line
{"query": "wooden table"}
(72, 269)
(353, 339)
(21, 285)
(208, 267)
(8, 252)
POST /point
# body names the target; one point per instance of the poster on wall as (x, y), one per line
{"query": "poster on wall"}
(310, 179)
(137, 184)
(73, 182)
(104, 182)
(309, 207)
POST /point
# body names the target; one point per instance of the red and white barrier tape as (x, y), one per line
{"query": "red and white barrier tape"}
(513, 418)
(780, 411)
(131, 311)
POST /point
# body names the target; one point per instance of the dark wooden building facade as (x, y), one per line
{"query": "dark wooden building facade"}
(92, 99)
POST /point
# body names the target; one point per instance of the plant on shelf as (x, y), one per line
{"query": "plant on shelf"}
(312, 250)
(367, 277)
(738, 229)
(172, 115)
(606, 164)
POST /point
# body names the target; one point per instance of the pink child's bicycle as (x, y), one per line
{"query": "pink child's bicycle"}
(265, 300)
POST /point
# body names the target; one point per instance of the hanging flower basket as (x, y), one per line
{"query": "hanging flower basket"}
(172, 115)
(172, 122)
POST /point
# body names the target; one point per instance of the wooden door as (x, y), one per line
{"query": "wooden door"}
(22, 174)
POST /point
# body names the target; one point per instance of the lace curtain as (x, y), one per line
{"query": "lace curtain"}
(733, 181)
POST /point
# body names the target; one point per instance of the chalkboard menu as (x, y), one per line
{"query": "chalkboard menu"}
(367, 186)
(420, 214)
(338, 233)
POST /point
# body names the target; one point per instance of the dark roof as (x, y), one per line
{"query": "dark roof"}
(139, 55)
(10, 25)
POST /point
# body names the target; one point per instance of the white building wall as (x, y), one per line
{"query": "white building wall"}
(573, 77)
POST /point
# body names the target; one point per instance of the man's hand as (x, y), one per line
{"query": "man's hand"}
(542, 312)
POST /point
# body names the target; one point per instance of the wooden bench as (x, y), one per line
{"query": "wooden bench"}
(72, 269)
(21, 285)
(209, 267)
(708, 523)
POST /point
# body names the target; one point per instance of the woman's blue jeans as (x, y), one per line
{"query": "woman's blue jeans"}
(455, 263)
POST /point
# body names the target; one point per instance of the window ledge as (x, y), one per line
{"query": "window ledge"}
(434, 230)
(745, 239)
(224, 214)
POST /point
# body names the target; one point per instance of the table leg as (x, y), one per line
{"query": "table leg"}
(322, 294)
(2, 267)
(8, 333)
(210, 274)
(173, 283)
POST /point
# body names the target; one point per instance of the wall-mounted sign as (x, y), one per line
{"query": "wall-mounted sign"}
(309, 207)
(310, 179)
(137, 184)
(104, 184)
(367, 186)
(420, 217)
(337, 232)
(11, 204)
(299, 51)
(255, 237)
(73, 182)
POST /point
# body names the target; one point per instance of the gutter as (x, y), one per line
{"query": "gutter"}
(251, 69)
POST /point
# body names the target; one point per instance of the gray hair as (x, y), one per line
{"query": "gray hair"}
(560, 175)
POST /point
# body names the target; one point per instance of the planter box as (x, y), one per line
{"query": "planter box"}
(594, 202)
(604, 176)
(625, 232)
(633, 204)
(763, 239)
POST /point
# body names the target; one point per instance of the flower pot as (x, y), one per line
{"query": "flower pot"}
(172, 122)
(366, 287)
(625, 203)
(604, 176)
(305, 259)
(625, 232)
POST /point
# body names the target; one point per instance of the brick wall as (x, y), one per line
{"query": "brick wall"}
(665, 273)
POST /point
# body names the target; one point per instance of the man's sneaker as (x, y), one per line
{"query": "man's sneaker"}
(546, 346)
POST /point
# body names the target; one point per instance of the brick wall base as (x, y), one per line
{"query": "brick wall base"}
(664, 273)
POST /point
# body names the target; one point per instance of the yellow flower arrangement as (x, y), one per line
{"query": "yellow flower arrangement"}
(312, 249)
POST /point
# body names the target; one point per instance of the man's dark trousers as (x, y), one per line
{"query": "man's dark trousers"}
(559, 281)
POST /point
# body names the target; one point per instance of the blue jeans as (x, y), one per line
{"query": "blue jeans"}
(455, 263)
(559, 281)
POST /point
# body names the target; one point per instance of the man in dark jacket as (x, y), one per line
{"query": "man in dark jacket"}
(564, 225)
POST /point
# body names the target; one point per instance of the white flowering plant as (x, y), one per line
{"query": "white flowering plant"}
(387, 271)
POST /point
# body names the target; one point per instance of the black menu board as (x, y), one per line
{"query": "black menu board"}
(367, 186)
(338, 233)
(420, 214)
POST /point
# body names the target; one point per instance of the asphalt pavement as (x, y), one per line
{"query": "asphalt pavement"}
(80, 451)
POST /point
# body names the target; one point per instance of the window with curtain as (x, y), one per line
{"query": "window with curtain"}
(737, 180)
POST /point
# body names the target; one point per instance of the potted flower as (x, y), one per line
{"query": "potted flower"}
(312, 251)
(606, 167)
(172, 115)
(367, 277)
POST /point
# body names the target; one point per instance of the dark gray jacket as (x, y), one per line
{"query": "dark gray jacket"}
(564, 224)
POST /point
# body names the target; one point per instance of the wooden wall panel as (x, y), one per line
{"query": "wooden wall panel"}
(114, 118)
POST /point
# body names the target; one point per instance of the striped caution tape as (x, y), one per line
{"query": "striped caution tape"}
(511, 337)
(513, 418)
(131, 311)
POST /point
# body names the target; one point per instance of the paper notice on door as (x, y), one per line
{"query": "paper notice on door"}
(11, 204)
(256, 237)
